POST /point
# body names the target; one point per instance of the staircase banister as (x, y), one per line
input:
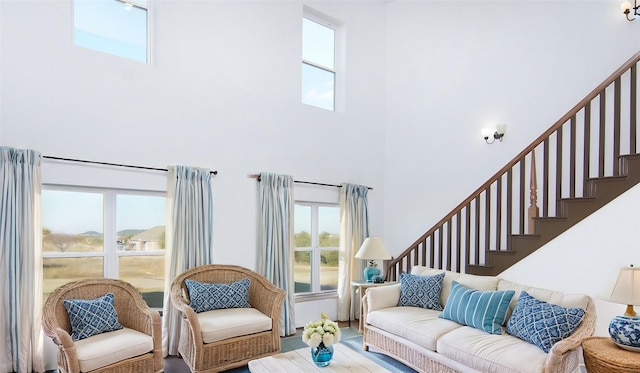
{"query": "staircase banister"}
(593, 94)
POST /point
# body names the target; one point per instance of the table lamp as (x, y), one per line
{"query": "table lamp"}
(372, 249)
(625, 330)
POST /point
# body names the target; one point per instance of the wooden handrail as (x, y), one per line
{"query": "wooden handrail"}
(519, 158)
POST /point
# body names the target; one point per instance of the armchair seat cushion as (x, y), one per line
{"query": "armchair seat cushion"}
(217, 325)
(111, 347)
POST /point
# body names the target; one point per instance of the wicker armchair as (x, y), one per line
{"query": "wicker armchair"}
(133, 313)
(234, 351)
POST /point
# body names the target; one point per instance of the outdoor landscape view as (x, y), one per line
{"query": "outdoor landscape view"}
(316, 252)
(73, 240)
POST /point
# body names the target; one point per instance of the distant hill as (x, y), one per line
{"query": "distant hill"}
(130, 232)
(91, 233)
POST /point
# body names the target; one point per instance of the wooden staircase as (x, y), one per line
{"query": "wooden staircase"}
(589, 157)
(571, 211)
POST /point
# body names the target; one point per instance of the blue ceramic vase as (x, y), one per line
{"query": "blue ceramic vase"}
(322, 355)
(625, 332)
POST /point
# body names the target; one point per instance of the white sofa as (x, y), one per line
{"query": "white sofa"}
(421, 339)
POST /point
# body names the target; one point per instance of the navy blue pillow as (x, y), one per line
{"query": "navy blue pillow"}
(421, 291)
(207, 297)
(542, 323)
(91, 317)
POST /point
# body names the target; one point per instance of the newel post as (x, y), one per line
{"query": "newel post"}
(533, 195)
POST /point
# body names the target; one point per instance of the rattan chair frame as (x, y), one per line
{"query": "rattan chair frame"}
(132, 311)
(233, 352)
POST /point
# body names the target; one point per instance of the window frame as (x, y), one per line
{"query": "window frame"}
(110, 253)
(315, 250)
(338, 55)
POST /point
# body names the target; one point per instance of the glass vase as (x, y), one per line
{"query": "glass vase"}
(322, 355)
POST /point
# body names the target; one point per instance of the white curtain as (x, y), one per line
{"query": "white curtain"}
(188, 237)
(20, 261)
(275, 242)
(354, 228)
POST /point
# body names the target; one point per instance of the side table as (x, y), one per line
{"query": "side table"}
(361, 286)
(601, 355)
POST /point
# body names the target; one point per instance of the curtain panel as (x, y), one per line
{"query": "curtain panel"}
(275, 241)
(20, 261)
(354, 228)
(189, 237)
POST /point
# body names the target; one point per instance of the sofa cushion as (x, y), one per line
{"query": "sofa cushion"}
(549, 296)
(107, 348)
(491, 353)
(542, 323)
(482, 309)
(206, 297)
(421, 291)
(92, 317)
(419, 325)
(217, 325)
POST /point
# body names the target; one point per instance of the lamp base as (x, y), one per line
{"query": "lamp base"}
(369, 272)
(625, 332)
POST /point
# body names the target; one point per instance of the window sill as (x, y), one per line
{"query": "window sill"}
(316, 296)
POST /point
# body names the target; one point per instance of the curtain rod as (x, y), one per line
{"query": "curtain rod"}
(257, 177)
(111, 164)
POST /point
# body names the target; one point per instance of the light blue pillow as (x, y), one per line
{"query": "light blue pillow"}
(482, 309)
(91, 317)
(421, 291)
(542, 323)
(207, 297)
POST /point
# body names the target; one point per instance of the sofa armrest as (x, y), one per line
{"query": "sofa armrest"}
(380, 297)
(561, 354)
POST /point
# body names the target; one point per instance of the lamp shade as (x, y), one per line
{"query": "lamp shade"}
(625, 330)
(627, 287)
(372, 248)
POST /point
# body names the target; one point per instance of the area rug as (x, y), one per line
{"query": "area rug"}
(350, 338)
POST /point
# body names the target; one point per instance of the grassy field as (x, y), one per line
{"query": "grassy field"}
(146, 273)
(302, 277)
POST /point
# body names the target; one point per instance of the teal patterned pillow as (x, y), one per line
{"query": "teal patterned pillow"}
(207, 297)
(421, 291)
(542, 323)
(482, 309)
(91, 317)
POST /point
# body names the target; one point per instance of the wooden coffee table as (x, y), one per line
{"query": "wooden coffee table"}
(344, 360)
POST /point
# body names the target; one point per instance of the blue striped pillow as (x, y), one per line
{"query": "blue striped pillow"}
(482, 309)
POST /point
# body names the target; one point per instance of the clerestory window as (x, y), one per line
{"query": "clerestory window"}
(112, 26)
(319, 67)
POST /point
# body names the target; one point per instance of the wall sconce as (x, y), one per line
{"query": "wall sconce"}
(497, 133)
(626, 9)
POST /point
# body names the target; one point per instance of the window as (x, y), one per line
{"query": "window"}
(318, 62)
(317, 241)
(112, 26)
(89, 233)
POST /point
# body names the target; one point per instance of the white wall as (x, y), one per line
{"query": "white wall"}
(454, 67)
(223, 92)
(586, 258)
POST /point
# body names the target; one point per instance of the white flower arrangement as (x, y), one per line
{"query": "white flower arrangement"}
(323, 331)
